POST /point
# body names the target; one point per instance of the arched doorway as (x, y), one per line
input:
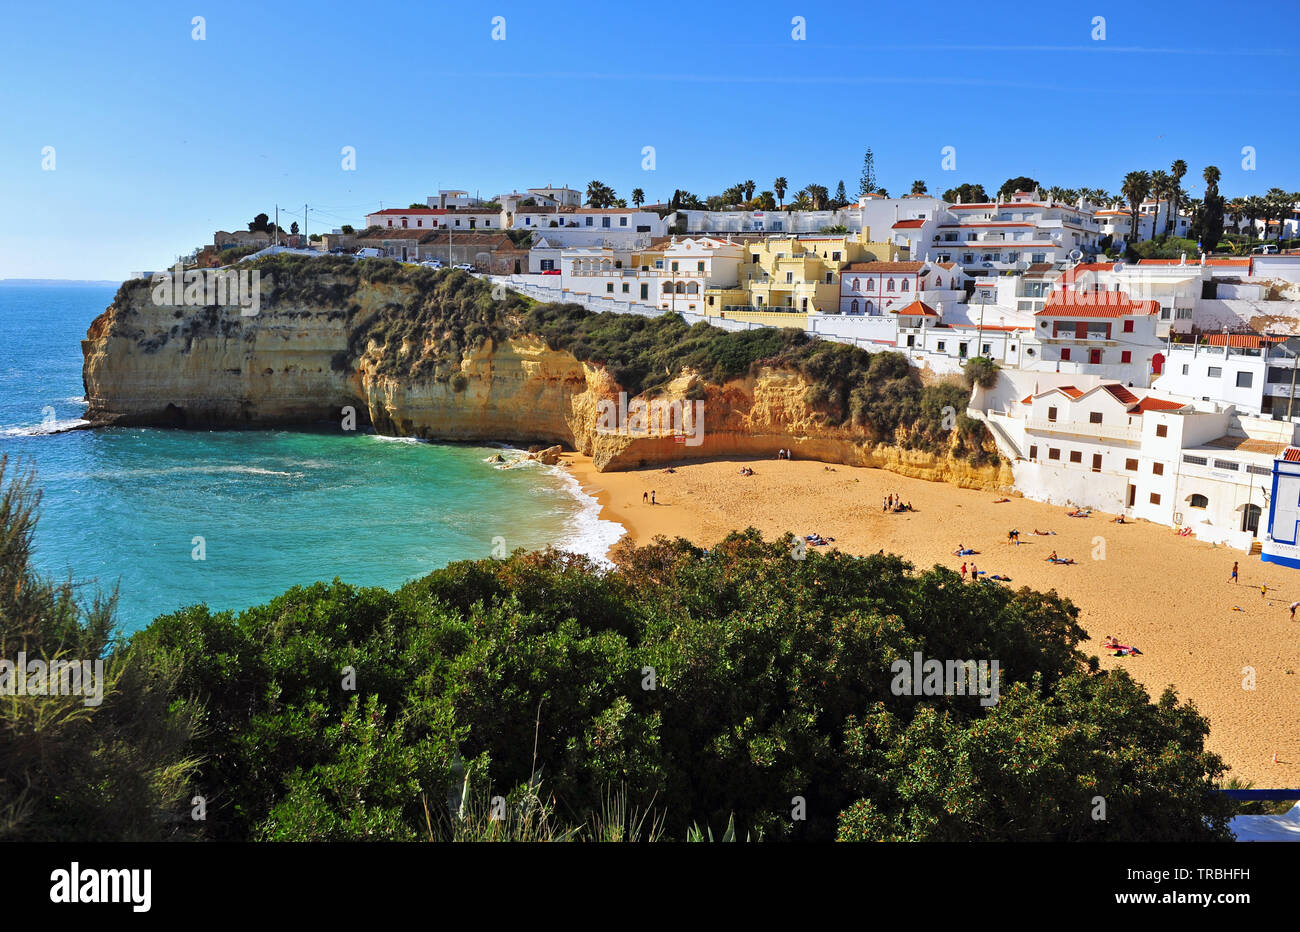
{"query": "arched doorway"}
(1157, 363)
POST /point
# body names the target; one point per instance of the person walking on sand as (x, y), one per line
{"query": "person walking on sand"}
(652, 497)
(963, 577)
(1263, 590)
(1294, 606)
(1234, 573)
(645, 497)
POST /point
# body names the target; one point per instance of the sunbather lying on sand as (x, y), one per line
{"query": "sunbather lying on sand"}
(1121, 650)
(1079, 513)
(1044, 533)
(1001, 501)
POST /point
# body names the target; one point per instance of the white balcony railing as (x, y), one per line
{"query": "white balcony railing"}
(1120, 432)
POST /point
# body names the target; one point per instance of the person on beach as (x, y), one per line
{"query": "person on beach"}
(1234, 578)
(1263, 590)
(963, 579)
(1293, 608)
(652, 497)
(645, 497)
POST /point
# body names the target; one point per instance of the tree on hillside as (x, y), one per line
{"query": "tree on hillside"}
(638, 197)
(918, 187)
(260, 224)
(1177, 170)
(1012, 185)
(1136, 186)
(867, 184)
(780, 186)
(600, 194)
(966, 194)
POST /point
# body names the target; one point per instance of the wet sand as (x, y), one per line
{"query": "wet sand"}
(1167, 595)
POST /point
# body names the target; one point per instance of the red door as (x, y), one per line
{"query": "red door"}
(1158, 363)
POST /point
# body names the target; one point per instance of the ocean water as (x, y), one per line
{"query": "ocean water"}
(273, 509)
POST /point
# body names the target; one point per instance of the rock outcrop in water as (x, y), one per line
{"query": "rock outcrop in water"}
(326, 346)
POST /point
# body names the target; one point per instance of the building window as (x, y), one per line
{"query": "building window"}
(1162, 430)
(1259, 470)
(1094, 417)
(1244, 379)
(1096, 462)
(1199, 501)
(1131, 465)
(1094, 356)
(940, 346)
(699, 266)
(1033, 452)
(1128, 326)
(1226, 464)
(1051, 414)
(1053, 454)
(1158, 469)
(1076, 456)
(1155, 498)
(890, 286)
(1065, 353)
(835, 257)
(1195, 460)
(1184, 370)
(625, 288)
(1126, 356)
(609, 288)
(1214, 372)
(622, 221)
(789, 277)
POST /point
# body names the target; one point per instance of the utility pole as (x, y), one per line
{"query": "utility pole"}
(304, 223)
(277, 224)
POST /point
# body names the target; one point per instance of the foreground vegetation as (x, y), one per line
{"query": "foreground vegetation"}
(735, 692)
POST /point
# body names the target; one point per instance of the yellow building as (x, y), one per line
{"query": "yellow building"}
(793, 276)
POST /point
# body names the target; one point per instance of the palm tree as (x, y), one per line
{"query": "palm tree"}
(819, 196)
(1160, 187)
(802, 200)
(600, 194)
(1279, 208)
(1238, 207)
(1253, 207)
(918, 187)
(749, 187)
(1136, 186)
(638, 197)
(779, 186)
(1178, 170)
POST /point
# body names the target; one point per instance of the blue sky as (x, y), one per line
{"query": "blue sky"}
(160, 139)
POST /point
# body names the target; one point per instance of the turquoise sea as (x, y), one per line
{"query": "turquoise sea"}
(124, 506)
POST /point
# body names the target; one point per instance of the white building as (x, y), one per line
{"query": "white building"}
(874, 288)
(987, 239)
(1153, 217)
(1100, 444)
(672, 277)
(453, 199)
(1176, 286)
(1282, 531)
(1103, 334)
(1253, 372)
(435, 218)
(620, 227)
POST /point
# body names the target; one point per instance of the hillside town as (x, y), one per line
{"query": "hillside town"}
(1126, 378)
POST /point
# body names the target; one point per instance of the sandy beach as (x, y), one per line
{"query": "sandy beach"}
(1169, 596)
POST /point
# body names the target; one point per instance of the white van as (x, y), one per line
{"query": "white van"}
(368, 253)
(1268, 249)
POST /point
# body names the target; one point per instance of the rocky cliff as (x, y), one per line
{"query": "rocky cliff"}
(317, 348)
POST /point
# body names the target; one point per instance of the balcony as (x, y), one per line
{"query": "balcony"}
(1122, 433)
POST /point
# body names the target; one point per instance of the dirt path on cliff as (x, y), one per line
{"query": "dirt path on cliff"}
(1169, 596)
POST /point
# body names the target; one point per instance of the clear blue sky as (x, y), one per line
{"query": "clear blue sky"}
(159, 139)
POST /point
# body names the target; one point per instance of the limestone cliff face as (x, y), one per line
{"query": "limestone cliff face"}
(301, 360)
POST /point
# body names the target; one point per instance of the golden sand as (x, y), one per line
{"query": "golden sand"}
(1167, 595)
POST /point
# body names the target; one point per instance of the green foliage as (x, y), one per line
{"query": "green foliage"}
(968, 193)
(1171, 248)
(772, 680)
(71, 771)
(981, 371)
(1012, 185)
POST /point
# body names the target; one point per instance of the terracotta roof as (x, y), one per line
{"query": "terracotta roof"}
(1156, 404)
(909, 224)
(1246, 445)
(1068, 390)
(1095, 304)
(1120, 393)
(1292, 455)
(917, 309)
(885, 267)
(1244, 340)
(1027, 399)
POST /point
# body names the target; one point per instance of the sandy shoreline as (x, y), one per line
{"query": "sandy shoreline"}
(1167, 595)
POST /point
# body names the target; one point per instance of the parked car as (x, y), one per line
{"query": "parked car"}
(1269, 249)
(432, 263)
(551, 271)
(368, 253)
(465, 267)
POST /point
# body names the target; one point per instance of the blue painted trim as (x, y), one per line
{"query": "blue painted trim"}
(1282, 561)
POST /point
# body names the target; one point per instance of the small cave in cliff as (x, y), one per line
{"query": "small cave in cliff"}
(175, 415)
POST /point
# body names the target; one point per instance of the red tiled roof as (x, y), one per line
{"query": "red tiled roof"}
(885, 267)
(1244, 340)
(1096, 304)
(917, 309)
(909, 224)
(1027, 399)
(1121, 393)
(1156, 404)
(1292, 455)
